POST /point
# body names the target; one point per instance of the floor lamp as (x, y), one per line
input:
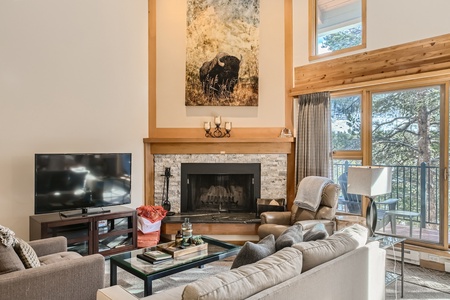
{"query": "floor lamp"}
(369, 181)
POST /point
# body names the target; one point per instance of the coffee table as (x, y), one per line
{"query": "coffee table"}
(217, 250)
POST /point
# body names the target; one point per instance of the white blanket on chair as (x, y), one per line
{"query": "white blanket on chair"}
(309, 192)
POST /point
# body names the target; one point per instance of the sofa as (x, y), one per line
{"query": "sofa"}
(342, 266)
(56, 273)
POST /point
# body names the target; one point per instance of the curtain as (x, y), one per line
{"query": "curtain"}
(313, 143)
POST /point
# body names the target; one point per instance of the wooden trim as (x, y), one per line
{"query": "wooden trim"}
(444, 149)
(423, 56)
(151, 67)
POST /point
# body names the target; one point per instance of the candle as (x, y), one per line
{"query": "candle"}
(207, 125)
(217, 120)
(228, 126)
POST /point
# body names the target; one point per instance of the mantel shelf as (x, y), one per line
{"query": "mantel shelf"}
(219, 145)
(217, 140)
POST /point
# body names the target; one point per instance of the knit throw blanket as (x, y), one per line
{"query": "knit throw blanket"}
(309, 193)
(7, 236)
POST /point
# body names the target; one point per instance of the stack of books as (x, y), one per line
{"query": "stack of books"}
(155, 256)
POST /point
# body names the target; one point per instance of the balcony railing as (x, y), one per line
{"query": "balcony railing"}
(416, 187)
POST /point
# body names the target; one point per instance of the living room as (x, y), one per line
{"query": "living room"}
(78, 77)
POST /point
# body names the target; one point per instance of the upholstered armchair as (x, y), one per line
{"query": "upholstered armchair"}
(278, 221)
(60, 274)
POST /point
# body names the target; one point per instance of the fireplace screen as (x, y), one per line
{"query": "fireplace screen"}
(220, 187)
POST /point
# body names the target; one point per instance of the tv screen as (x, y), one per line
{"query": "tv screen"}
(78, 181)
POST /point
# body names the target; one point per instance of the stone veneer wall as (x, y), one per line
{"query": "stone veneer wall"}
(273, 172)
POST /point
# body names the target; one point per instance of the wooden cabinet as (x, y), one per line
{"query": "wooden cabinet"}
(104, 233)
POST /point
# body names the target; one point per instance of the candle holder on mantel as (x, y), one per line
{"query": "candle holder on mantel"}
(218, 132)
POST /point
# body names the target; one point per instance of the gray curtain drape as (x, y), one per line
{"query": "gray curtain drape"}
(313, 143)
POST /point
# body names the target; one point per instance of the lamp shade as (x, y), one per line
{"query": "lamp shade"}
(369, 180)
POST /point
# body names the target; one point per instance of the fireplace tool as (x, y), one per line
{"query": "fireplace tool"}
(165, 197)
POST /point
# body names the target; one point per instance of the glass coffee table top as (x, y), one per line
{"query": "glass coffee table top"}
(217, 250)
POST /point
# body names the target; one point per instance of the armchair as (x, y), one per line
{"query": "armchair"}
(277, 222)
(62, 274)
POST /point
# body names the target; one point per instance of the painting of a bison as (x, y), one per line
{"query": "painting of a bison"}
(222, 53)
(219, 75)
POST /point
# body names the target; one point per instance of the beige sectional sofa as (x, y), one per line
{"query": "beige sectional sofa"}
(342, 266)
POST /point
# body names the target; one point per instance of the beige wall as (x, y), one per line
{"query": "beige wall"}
(73, 78)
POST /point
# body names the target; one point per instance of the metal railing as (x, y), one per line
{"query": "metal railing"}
(416, 187)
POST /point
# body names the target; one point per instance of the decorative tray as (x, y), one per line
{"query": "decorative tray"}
(178, 251)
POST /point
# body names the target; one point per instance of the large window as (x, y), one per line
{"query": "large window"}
(401, 128)
(336, 26)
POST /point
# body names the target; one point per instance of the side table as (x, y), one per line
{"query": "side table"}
(387, 241)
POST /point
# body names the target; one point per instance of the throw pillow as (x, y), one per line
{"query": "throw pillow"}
(292, 235)
(318, 232)
(9, 261)
(251, 252)
(26, 254)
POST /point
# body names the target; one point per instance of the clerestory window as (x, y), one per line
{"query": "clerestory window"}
(336, 26)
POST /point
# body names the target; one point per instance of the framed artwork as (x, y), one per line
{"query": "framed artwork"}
(222, 50)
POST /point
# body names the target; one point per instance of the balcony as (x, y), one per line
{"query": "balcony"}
(417, 191)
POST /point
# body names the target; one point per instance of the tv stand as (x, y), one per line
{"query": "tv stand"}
(85, 212)
(106, 232)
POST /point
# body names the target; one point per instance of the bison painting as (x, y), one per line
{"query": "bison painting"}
(219, 75)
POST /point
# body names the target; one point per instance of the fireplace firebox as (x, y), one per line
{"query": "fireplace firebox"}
(220, 187)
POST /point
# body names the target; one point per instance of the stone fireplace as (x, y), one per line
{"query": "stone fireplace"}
(220, 187)
(264, 174)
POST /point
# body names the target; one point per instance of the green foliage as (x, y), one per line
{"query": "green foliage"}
(343, 39)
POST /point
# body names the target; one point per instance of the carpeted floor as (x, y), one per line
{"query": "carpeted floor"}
(420, 283)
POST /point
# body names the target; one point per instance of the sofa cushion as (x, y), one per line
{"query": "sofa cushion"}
(9, 261)
(318, 232)
(247, 280)
(251, 252)
(57, 257)
(291, 236)
(320, 251)
(26, 254)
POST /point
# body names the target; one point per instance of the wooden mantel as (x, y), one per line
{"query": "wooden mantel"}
(205, 145)
(218, 145)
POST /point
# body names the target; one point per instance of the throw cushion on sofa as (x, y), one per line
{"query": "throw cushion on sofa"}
(318, 232)
(247, 280)
(9, 261)
(26, 254)
(291, 236)
(251, 252)
(321, 251)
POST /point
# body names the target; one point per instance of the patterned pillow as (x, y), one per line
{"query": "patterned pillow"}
(26, 254)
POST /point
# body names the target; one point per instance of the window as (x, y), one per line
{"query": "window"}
(336, 26)
(346, 143)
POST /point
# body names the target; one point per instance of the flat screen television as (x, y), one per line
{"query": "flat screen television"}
(75, 181)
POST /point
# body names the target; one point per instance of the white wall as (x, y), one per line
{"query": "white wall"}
(388, 23)
(73, 78)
